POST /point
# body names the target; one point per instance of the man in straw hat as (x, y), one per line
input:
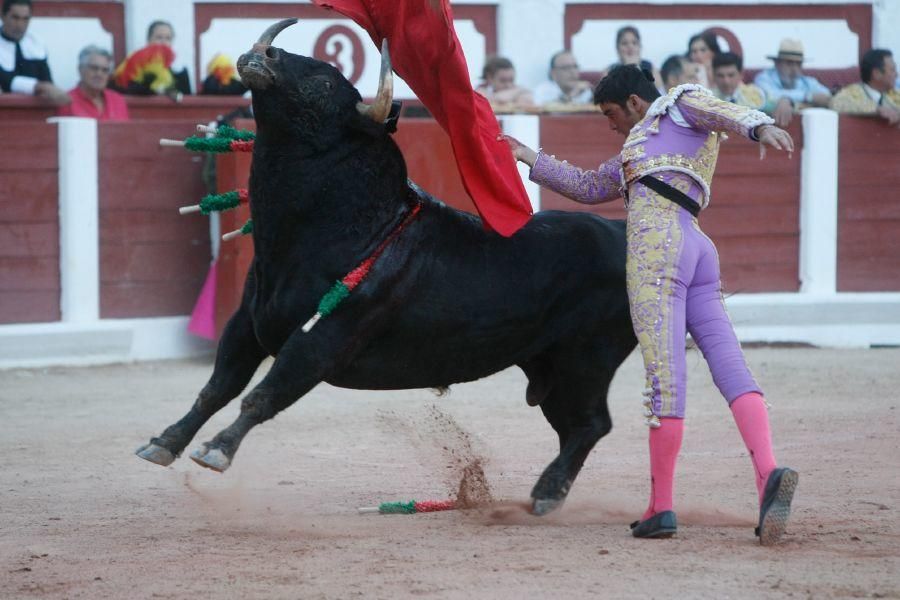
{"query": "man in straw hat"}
(787, 86)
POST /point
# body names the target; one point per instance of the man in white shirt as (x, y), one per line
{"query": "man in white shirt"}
(565, 85)
(787, 86)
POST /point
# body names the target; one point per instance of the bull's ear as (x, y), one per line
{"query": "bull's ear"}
(363, 124)
(393, 116)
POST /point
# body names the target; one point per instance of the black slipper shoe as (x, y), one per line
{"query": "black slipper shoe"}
(776, 505)
(660, 525)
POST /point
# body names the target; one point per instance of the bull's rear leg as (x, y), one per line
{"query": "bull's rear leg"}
(578, 412)
(237, 358)
(300, 365)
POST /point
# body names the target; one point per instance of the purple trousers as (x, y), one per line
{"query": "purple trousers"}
(674, 288)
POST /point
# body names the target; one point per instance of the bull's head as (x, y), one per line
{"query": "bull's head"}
(299, 92)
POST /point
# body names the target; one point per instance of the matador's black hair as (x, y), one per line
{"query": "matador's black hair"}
(623, 81)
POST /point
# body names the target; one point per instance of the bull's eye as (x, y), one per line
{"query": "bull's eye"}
(328, 85)
(271, 52)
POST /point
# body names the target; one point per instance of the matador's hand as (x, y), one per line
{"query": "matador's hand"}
(519, 150)
(778, 138)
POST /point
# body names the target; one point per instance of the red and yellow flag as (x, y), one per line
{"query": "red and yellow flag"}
(153, 60)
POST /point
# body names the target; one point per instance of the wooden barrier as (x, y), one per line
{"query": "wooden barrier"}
(152, 260)
(17, 107)
(29, 224)
(868, 206)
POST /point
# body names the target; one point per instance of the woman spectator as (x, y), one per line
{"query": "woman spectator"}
(151, 69)
(628, 47)
(499, 84)
(702, 48)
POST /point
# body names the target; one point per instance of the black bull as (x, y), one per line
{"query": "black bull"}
(446, 302)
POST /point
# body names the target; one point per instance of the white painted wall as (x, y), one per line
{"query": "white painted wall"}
(79, 220)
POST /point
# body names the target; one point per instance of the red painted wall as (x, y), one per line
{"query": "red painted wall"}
(152, 260)
(29, 224)
(868, 206)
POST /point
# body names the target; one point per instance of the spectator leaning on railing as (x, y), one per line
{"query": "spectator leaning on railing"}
(23, 59)
(876, 93)
(499, 84)
(91, 98)
(787, 86)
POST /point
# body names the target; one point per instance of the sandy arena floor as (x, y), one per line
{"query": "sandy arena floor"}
(82, 517)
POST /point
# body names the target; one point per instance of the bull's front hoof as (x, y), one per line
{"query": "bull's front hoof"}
(213, 459)
(543, 506)
(156, 454)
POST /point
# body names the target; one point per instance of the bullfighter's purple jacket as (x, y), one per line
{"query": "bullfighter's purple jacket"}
(680, 133)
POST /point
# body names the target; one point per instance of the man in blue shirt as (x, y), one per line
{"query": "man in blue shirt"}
(787, 86)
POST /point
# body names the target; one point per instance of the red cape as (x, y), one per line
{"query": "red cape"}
(426, 53)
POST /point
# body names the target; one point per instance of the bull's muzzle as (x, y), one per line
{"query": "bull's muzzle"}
(252, 66)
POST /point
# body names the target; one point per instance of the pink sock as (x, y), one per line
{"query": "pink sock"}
(665, 442)
(752, 418)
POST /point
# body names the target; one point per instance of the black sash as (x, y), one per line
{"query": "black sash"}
(667, 191)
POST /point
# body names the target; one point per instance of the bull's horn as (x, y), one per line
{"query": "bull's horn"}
(380, 110)
(269, 34)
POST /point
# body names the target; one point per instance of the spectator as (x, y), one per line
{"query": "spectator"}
(876, 93)
(787, 87)
(677, 70)
(149, 70)
(728, 71)
(499, 84)
(221, 78)
(702, 49)
(628, 47)
(23, 59)
(91, 98)
(565, 85)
